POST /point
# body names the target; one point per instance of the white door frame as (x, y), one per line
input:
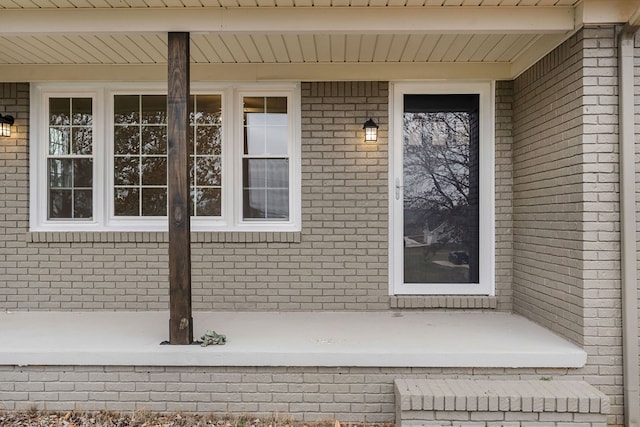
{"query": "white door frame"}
(486, 90)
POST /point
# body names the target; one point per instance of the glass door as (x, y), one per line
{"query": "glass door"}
(437, 193)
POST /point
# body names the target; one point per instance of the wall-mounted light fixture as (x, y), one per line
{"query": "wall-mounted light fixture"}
(370, 131)
(5, 125)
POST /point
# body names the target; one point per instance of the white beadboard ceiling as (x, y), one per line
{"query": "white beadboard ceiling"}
(264, 48)
(74, 4)
(296, 39)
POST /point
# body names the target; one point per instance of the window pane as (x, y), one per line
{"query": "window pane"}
(253, 105)
(126, 140)
(59, 139)
(255, 138)
(440, 150)
(59, 110)
(190, 163)
(126, 171)
(82, 140)
(277, 173)
(209, 140)
(140, 150)
(60, 205)
(154, 202)
(154, 109)
(126, 109)
(154, 140)
(83, 173)
(70, 137)
(82, 200)
(277, 105)
(208, 202)
(208, 109)
(191, 148)
(278, 204)
(266, 204)
(208, 171)
(265, 179)
(254, 173)
(277, 140)
(60, 173)
(127, 202)
(254, 204)
(266, 173)
(266, 188)
(82, 111)
(154, 171)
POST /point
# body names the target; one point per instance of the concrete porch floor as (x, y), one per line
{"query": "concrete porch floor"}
(380, 339)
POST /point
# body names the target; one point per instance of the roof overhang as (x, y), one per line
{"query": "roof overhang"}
(262, 40)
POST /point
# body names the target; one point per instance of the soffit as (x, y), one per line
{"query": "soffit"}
(74, 4)
(265, 48)
(290, 39)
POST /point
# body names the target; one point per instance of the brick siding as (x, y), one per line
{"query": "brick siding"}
(305, 393)
(557, 242)
(506, 403)
(337, 262)
(566, 222)
(547, 191)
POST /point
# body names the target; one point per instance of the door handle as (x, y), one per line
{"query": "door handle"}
(398, 189)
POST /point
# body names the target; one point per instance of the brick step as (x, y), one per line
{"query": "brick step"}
(488, 403)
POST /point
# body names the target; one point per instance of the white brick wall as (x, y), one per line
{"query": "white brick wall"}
(556, 240)
(338, 261)
(504, 193)
(306, 393)
(547, 191)
(482, 403)
(566, 222)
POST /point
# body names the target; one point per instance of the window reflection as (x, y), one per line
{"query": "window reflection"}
(441, 188)
(266, 188)
(70, 162)
(140, 155)
(265, 167)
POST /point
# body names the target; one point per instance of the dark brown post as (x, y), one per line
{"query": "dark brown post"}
(180, 320)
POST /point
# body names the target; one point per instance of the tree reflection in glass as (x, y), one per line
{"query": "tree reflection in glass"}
(205, 155)
(70, 158)
(440, 161)
(140, 155)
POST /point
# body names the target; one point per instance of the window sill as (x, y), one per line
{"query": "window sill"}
(163, 237)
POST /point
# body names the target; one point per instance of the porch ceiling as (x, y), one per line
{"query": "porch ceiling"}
(290, 39)
(73, 4)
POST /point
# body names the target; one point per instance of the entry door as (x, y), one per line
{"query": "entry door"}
(436, 193)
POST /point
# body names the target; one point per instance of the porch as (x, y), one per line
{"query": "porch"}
(321, 339)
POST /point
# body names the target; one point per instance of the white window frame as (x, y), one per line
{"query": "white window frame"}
(294, 166)
(39, 147)
(104, 218)
(486, 90)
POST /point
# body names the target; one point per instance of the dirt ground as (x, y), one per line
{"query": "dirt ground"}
(34, 418)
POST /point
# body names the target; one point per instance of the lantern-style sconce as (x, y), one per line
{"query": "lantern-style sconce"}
(370, 131)
(5, 125)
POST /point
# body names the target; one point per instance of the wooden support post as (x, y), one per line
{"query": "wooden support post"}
(180, 319)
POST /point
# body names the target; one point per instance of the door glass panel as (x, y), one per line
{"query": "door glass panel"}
(440, 178)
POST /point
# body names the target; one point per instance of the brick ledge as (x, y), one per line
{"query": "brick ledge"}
(162, 237)
(500, 395)
(444, 301)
